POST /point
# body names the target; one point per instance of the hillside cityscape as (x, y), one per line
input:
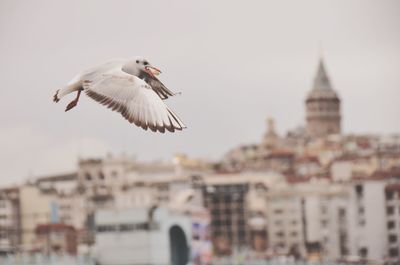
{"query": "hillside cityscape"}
(313, 194)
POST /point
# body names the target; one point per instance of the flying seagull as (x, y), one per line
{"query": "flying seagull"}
(129, 87)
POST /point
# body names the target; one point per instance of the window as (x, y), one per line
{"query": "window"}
(142, 226)
(394, 252)
(242, 233)
(216, 222)
(390, 210)
(88, 177)
(126, 227)
(215, 199)
(227, 199)
(342, 213)
(392, 238)
(389, 195)
(281, 245)
(123, 227)
(106, 228)
(359, 191)
(215, 212)
(363, 252)
(391, 225)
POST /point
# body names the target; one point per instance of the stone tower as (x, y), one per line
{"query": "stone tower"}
(322, 106)
(271, 138)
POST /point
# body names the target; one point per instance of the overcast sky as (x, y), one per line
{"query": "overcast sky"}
(235, 63)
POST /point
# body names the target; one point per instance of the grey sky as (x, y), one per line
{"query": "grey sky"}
(236, 64)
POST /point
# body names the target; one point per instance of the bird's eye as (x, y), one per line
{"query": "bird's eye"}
(137, 61)
(145, 63)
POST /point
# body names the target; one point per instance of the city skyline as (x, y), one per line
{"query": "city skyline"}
(264, 75)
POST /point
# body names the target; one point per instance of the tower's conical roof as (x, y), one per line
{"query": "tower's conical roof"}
(322, 88)
(321, 80)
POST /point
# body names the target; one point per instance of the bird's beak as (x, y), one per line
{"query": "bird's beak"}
(152, 71)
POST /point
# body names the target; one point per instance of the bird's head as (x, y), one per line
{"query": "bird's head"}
(144, 66)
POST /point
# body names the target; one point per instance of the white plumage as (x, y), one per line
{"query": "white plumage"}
(124, 86)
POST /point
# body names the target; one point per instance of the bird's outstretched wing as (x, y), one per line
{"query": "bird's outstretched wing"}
(162, 91)
(134, 99)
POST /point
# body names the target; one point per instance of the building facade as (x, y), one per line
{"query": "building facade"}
(392, 199)
(9, 220)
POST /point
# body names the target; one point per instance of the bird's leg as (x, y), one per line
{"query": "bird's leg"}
(74, 102)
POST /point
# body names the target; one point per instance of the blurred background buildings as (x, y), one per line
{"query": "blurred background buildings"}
(312, 194)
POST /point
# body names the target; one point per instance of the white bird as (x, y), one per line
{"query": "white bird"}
(129, 87)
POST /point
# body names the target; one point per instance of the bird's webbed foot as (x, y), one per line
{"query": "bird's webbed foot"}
(72, 104)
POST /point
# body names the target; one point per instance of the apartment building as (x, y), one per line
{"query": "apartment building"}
(285, 222)
(367, 219)
(233, 201)
(326, 221)
(309, 217)
(9, 220)
(392, 201)
(37, 206)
